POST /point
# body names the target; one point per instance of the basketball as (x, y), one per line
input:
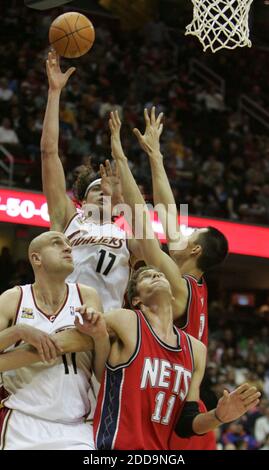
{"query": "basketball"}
(71, 35)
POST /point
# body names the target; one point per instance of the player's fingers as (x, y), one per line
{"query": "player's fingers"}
(95, 318)
(110, 123)
(158, 120)
(113, 121)
(102, 170)
(52, 58)
(108, 168)
(57, 59)
(52, 349)
(252, 404)
(90, 312)
(242, 388)
(152, 115)
(160, 129)
(70, 71)
(82, 310)
(46, 350)
(225, 395)
(49, 57)
(252, 398)
(250, 391)
(146, 116)
(41, 352)
(138, 134)
(113, 168)
(118, 121)
(77, 324)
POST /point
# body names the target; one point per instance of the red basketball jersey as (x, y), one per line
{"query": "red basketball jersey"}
(196, 325)
(197, 316)
(139, 402)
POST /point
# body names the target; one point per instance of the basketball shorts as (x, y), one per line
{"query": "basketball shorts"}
(19, 431)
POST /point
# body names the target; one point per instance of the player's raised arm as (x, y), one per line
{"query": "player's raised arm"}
(60, 206)
(162, 192)
(152, 253)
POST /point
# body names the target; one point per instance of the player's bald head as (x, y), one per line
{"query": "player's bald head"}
(41, 241)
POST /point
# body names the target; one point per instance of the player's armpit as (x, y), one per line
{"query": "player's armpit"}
(122, 323)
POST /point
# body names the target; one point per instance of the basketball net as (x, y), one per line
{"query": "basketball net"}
(220, 24)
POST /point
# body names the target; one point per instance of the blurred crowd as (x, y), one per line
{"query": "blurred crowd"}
(238, 352)
(216, 159)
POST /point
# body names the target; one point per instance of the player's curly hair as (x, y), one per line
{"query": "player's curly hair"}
(85, 177)
(132, 285)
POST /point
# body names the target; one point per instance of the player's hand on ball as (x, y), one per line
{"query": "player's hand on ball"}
(57, 79)
(150, 141)
(90, 322)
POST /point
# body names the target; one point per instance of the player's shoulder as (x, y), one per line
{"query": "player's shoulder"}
(197, 345)
(10, 301)
(123, 315)
(13, 293)
(86, 291)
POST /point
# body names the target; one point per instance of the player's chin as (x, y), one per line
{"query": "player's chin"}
(68, 264)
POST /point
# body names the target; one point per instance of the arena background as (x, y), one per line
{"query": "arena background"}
(216, 151)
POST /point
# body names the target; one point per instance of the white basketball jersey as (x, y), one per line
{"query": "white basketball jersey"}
(57, 392)
(101, 259)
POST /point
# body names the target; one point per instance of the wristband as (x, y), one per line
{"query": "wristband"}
(217, 418)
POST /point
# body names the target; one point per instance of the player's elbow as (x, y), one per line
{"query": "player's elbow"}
(48, 147)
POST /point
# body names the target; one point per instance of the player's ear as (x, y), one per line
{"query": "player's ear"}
(136, 301)
(196, 250)
(36, 259)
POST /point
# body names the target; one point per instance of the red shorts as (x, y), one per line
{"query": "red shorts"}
(205, 442)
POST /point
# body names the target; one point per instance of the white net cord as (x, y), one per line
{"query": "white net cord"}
(220, 24)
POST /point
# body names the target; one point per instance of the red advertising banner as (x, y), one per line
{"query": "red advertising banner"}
(28, 208)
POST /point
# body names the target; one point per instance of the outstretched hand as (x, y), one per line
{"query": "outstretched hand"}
(115, 126)
(110, 182)
(150, 141)
(233, 405)
(57, 79)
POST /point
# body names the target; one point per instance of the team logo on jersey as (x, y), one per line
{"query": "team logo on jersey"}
(27, 313)
(72, 311)
(160, 373)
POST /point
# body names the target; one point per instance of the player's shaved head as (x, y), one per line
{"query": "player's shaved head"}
(41, 241)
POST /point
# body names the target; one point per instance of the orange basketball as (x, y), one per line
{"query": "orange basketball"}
(71, 35)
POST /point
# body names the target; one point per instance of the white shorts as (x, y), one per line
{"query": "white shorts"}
(19, 431)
